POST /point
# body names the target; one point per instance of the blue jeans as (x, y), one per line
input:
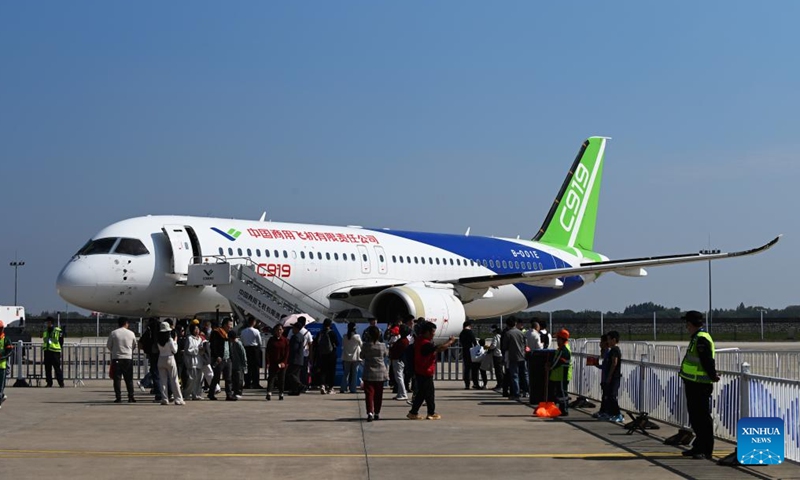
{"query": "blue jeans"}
(513, 373)
(349, 376)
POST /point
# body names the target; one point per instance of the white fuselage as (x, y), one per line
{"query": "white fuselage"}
(316, 259)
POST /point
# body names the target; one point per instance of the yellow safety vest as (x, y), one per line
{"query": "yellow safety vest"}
(3, 363)
(691, 368)
(557, 374)
(50, 342)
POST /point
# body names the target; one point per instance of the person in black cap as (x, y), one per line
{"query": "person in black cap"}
(467, 340)
(698, 371)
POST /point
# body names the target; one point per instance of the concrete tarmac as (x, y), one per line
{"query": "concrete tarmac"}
(80, 433)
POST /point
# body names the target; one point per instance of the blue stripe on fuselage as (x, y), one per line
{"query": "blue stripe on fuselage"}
(487, 248)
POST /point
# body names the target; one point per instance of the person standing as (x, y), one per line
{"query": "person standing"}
(251, 339)
(561, 371)
(167, 368)
(122, 342)
(325, 346)
(513, 345)
(277, 361)
(467, 340)
(52, 341)
(238, 363)
(6, 349)
(351, 358)
(613, 377)
(192, 355)
(425, 352)
(296, 360)
(497, 358)
(397, 354)
(221, 360)
(699, 373)
(374, 354)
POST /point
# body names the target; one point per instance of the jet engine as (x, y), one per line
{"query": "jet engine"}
(436, 303)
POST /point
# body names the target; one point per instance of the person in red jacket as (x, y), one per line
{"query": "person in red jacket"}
(277, 361)
(424, 368)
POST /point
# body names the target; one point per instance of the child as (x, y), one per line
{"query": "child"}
(238, 363)
(613, 378)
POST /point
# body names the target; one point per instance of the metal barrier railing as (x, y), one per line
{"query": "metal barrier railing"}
(657, 389)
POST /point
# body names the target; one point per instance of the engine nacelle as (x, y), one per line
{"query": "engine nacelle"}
(436, 303)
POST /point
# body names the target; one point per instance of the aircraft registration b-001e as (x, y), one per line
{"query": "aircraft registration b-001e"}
(138, 267)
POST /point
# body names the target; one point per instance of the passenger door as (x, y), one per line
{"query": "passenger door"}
(181, 245)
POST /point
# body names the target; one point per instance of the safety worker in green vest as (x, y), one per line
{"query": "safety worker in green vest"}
(698, 371)
(561, 371)
(6, 348)
(52, 340)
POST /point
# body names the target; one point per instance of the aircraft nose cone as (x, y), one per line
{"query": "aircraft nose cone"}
(77, 283)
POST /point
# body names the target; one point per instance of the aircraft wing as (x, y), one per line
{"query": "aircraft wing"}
(628, 267)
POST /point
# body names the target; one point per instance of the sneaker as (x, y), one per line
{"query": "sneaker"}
(399, 398)
(370, 417)
(131, 400)
(118, 400)
(601, 416)
(231, 398)
(180, 402)
(238, 397)
(269, 396)
(434, 416)
(617, 419)
(331, 392)
(212, 397)
(280, 397)
(414, 416)
(322, 391)
(141, 387)
(377, 416)
(164, 402)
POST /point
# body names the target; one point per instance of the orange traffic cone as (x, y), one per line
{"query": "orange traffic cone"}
(546, 409)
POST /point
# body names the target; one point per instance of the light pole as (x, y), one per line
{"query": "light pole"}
(16, 264)
(710, 314)
(762, 324)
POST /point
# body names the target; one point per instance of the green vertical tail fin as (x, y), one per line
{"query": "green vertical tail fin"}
(572, 218)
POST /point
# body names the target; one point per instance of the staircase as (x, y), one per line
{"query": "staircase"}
(266, 298)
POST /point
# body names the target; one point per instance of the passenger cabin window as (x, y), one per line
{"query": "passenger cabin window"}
(303, 255)
(336, 256)
(249, 253)
(239, 251)
(327, 256)
(285, 254)
(131, 246)
(364, 256)
(221, 251)
(353, 257)
(97, 247)
(266, 253)
(258, 252)
(394, 259)
(230, 252)
(401, 259)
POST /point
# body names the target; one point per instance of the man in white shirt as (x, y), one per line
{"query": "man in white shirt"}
(307, 340)
(251, 339)
(533, 338)
(122, 343)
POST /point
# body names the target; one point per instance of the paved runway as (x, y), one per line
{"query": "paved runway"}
(80, 433)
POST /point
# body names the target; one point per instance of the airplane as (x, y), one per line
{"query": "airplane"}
(138, 267)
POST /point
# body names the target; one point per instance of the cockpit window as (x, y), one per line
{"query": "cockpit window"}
(131, 246)
(97, 247)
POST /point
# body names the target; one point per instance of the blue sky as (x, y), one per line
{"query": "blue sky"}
(432, 116)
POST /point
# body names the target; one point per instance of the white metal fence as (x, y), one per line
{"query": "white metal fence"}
(655, 388)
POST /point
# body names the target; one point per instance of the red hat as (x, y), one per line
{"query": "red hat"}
(563, 333)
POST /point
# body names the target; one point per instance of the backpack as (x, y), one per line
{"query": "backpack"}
(545, 339)
(325, 343)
